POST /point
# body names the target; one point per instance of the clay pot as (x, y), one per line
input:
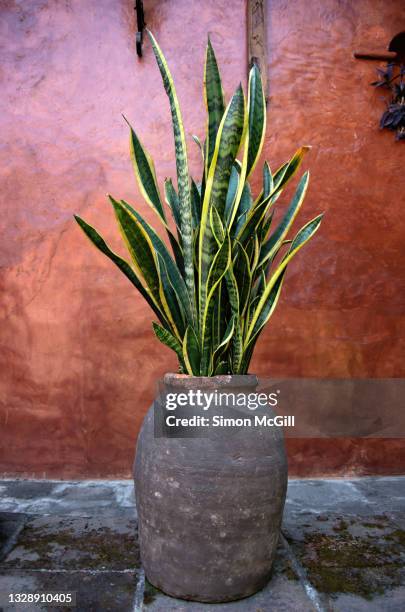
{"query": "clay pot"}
(210, 508)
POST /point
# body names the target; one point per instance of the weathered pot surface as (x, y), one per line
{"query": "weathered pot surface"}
(210, 509)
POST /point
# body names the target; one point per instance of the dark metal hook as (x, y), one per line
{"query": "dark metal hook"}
(140, 18)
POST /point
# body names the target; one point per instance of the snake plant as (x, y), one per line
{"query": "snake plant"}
(216, 287)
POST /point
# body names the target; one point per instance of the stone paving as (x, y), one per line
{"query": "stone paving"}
(342, 549)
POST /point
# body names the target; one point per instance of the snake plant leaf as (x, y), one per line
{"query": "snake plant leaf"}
(198, 142)
(177, 252)
(216, 226)
(235, 303)
(139, 245)
(261, 283)
(123, 265)
(216, 318)
(269, 309)
(200, 146)
(268, 185)
(257, 119)
(219, 265)
(221, 368)
(172, 306)
(169, 340)
(145, 174)
(146, 177)
(218, 269)
(249, 247)
(191, 352)
(252, 219)
(243, 275)
(251, 309)
(268, 182)
(227, 145)
(302, 237)
(231, 193)
(195, 253)
(172, 200)
(176, 279)
(220, 314)
(235, 213)
(227, 336)
(245, 205)
(266, 224)
(214, 101)
(181, 166)
(287, 170)
(270, 303)
(195, 204)
(238, 211)
(232, 290)
(279, 234)
(226, 148)
(279, 174)
(237, 345)
(256, 254)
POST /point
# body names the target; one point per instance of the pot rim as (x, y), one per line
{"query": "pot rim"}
(219, 380)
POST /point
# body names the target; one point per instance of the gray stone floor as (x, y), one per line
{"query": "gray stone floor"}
(343, 548)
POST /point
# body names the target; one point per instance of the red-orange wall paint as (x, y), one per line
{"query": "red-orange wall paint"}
(79, 362)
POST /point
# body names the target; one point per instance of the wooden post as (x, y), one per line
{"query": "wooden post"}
(257, 39)
(384, 56)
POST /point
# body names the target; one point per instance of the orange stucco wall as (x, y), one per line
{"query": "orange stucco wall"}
(78, 358)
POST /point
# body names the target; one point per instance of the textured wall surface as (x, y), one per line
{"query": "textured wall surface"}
(78, 357)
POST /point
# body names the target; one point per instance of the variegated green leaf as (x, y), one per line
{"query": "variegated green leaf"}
(199, 145)
(269, 305)
(287, 170)
(139, 245)
(173, 272)
(221, 368)
(234, 301)
(257, 119)
(217, 319)
(231, 193)
(219, 267)
(280, 233)
(252, 221)
(214, 100)
(268, 182)
(145, 174)
(268, 310)
(299, 241)
(243, 275)
(227, 144)
(123, 265)
(191, 352)
(265, 228)
(172, 200)
(217, 227)
(245, 205)
(172, 306)
(195, 204)
(182, 169)
(169, 340)
(226, 338)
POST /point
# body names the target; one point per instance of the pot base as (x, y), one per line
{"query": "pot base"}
(234, 597)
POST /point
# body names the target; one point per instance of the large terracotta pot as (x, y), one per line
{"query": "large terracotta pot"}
(210, 509)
